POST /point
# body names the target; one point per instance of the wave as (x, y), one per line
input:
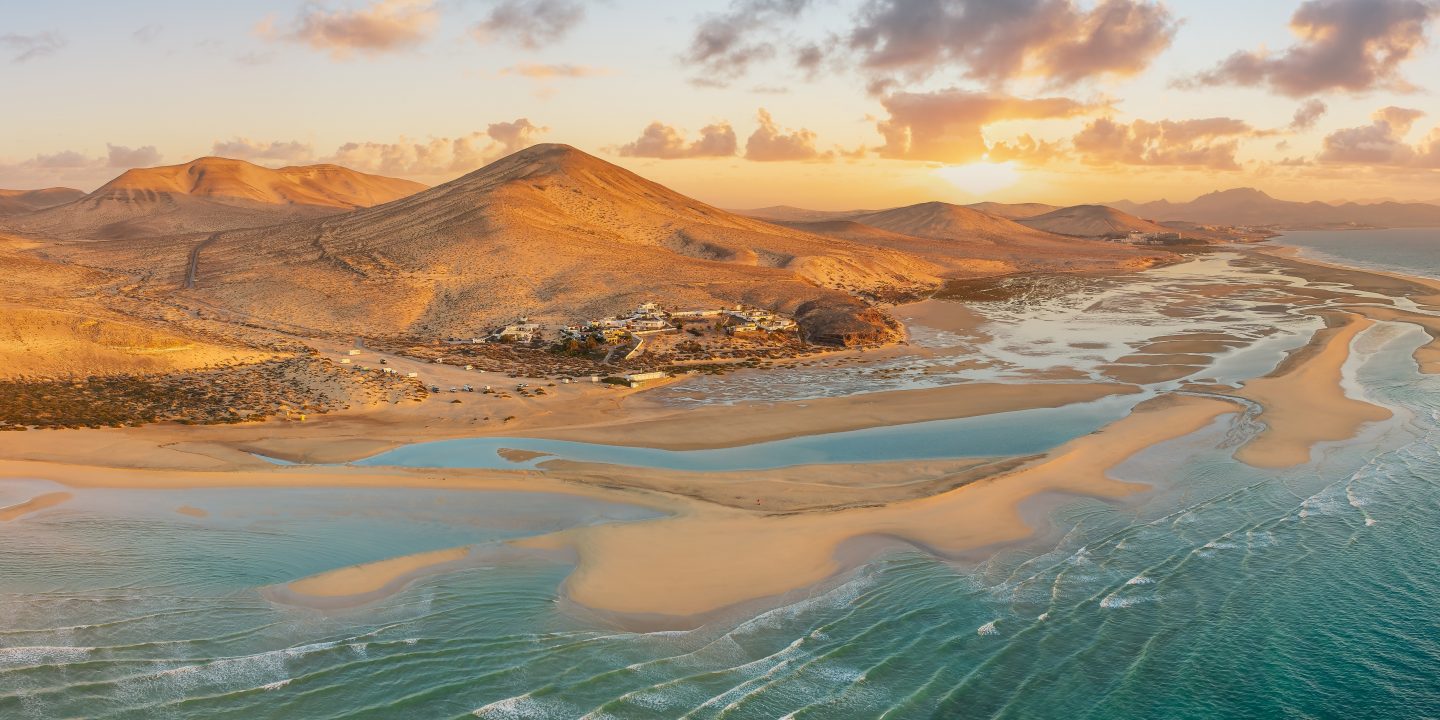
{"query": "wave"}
(988, 629)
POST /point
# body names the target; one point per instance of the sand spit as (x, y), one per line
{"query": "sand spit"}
(674, 570)
(33, 505)
(1304, 402)
(369, 578)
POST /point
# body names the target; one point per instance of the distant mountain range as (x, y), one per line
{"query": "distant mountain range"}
(1248, 206)
(208, 194)
(549, 232)
(15, 202)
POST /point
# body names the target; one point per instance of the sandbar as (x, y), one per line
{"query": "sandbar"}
(673, 570)
(1303, 400)
(33, 505)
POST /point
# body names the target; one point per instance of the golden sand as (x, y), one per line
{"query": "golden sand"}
(375, 576)
(1304, 402)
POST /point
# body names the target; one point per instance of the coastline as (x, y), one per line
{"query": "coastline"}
(709, 553)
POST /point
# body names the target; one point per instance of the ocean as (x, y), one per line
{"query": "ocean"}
(1226, 591)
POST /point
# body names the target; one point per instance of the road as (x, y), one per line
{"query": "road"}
(193, 267)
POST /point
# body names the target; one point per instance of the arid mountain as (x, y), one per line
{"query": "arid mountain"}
(968, 242)
(1013, 211)
(787, 213)
(1091, 221)
(1247, 206)
(15, 202)
(549, 232)
(210, 194)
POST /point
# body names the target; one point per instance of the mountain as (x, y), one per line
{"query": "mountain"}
(15, 202)
(1091, 221)
(210, 194)
(1248, 206)
(549, 232)
(966, 242)
(1013, 211)
(787, 213)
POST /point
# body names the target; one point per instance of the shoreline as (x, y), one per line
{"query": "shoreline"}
(691, 564)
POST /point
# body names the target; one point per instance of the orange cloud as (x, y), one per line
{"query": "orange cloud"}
(257, 151)
(439, 156)
(769, 143)
(946, 126)
(1352, 45)
(1204, 143)
(665, 142)
(383, 26)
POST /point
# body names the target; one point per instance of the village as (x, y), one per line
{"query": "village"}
(647, 344)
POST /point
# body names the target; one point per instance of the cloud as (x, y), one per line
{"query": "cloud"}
(1204, 143)
(1026, 150)
(147, 34)
(665, 142)
(439, 156)
(124, 157)
(726, 44)
(381, 27)
(945, 126)
(275, 152)
(546, 72)
(1308, 114)
(531, 24)
(997, 41)
(1349, 45)
(73, 168)
(1382, 142)
(29, 47)
(769, 143)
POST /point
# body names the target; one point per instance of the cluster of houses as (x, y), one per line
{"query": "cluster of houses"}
(1141, 237)
(756, 320)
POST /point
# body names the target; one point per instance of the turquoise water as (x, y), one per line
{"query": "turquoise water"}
(1415, 251)
(1024, 432)
(1226, 592)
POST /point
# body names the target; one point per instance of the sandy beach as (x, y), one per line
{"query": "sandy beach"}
(1304, 402)
(732, 538)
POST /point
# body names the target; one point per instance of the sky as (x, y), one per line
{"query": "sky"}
(827, 104)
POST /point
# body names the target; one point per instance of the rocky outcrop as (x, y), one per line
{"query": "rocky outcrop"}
(845, 323)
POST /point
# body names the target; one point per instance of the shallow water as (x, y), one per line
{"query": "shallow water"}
(1225, 592)
(1024, 432)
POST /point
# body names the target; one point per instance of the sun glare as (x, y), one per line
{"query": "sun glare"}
(981, 177)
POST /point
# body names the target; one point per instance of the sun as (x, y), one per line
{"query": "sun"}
(980, 178)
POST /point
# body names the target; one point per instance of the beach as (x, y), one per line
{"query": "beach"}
(737, 538)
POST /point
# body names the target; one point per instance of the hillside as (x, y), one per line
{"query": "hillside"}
(209, 194)
(788, 213)
(548, 232)
(968, 242)
(1013, 211)
(1092, 221)
(1247, 206)
(15, 202)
